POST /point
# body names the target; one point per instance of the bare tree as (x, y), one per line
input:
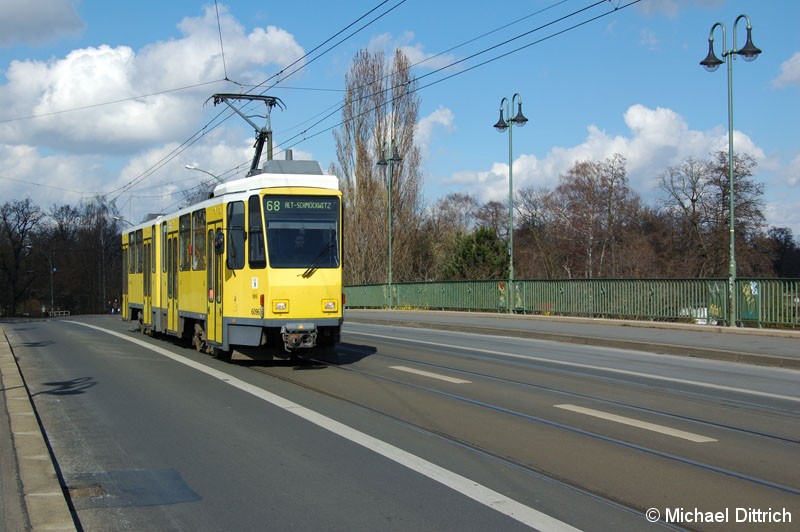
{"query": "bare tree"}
(380, 111)
(697, 196)
(686, 201)
(493, 215)
(67, 221)
(449, 219)
(749, 221)
(591, 208)
(19, 221)
(539, 252)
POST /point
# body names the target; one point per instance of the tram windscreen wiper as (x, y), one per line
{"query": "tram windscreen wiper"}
(325, 251)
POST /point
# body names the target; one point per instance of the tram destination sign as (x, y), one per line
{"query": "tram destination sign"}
(280, 206)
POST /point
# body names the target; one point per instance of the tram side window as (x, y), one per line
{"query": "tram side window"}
(170, 267)
(236, 235)
(164, 247)
(147, 269)
(139, 252)
(199, 240)
(131, 253)
(185, 237)
(255, 238)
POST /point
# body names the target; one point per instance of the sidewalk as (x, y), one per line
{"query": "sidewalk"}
(32, 498)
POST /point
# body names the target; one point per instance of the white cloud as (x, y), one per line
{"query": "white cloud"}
(415, 52)
(96, 75)
(218, 152)
(36, 22)
(790, 73)
(794, 172)
(442, 117)
(48, 178)
(784, 214)
(648, 39)
(658, 138)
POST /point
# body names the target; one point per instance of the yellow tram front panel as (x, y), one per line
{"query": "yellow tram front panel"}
(318, 297)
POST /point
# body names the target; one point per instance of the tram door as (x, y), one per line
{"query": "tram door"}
(215, 264)
(161, 279)
(172, 282)
(147, 309)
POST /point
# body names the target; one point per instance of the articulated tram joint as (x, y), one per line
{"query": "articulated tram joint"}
(299, 336)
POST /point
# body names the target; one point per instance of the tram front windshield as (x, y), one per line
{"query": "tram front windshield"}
(302, 231)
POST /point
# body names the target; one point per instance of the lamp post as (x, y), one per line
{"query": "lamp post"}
(387, 158)
(52, 270)
(711, 63)
(190, 167)
(503, 123)
(121, 219)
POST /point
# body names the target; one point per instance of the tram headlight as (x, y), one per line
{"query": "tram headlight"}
(280, 306)
(329, 305)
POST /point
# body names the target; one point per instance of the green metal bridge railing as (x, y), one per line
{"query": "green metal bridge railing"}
(760, 302)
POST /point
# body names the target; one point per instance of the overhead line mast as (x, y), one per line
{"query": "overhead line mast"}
(263, 134)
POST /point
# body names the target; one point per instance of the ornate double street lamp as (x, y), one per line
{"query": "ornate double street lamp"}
(387, 158)
(711, 63)
(502, 124)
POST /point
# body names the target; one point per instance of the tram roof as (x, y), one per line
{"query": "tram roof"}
(260, 181)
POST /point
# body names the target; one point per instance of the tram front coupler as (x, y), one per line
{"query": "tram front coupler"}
(299, 336)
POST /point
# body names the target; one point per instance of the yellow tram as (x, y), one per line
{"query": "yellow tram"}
(256, 267)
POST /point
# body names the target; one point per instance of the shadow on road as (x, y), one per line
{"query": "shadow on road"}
(71, 387)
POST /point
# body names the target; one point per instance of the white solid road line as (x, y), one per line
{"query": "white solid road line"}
(431, 375)
(636, 423)
(481, 494)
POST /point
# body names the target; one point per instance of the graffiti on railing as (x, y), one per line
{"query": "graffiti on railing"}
(749, 307)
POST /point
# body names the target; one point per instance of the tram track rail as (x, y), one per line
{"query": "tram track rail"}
(757, 409)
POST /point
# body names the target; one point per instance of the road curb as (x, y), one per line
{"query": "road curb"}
(44, 502)
(615, 343)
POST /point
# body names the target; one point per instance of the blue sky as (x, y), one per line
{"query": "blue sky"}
(101, 97)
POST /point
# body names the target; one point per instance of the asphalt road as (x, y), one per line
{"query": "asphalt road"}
(413, 428)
